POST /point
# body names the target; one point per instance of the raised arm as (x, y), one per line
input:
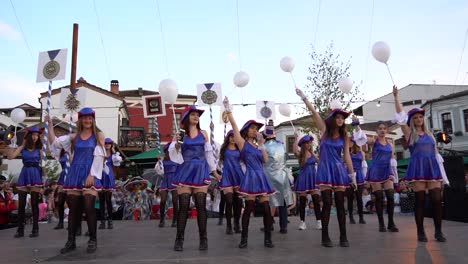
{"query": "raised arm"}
(237, 136)
(315, 115)
(295, 145)
(399, 111)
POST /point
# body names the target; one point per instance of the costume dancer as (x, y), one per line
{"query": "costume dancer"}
(331, 173)
(358, 159)
(30, 178)
(84, 177)
(195, 156)
(380, 173)
(229, 185)
(423, 170)
(255, 183)
(306, 182)
(170, 168)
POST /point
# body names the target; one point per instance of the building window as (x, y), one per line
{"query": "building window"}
(290, 143)
(407, 103)
(465, 118)
(151, 125)
(447, 123)
(417, 102)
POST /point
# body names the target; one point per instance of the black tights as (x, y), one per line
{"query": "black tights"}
(436, 197)
(350, 196)
(62, 196)
(162, 208)
(89, 201)
(105, 200)
(229, 200)
(326, 199)
(249, 208)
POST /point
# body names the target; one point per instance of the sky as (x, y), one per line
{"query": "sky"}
(198, 42)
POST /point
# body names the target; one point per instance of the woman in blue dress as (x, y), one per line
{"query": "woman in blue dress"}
(357, 157)
(170, 168)
(84, 177)
(423, 170)
(108, 185)
(306, 180)
(331, 172)
(232, 176)
(196, 159)
(255, 183)
(380, 174)
(30, 178)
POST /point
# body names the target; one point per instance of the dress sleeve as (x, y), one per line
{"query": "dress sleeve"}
(174, 155)
(98, 162)
(63, 142)
(209, 155)
(359, 137)
(401, 118)
(440, 160)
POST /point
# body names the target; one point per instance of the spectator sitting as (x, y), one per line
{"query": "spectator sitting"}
(7, 204)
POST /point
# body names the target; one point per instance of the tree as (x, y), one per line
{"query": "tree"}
(325, 71)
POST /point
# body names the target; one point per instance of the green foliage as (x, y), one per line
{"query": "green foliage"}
(325, 71)
(52, 169)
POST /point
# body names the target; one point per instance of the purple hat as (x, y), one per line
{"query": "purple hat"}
(188, 110)
(230, 133)
(108, 141)
(249, 123)
(87, 111)
(413, 112)
(305, 139)
(337, 111)
(33, 129)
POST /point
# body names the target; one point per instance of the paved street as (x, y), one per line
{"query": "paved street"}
(144, 242)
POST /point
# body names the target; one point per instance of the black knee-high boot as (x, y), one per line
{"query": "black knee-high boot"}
(200, 204)
(228, 197)
(302, 206)
(110, 225)
(267, 223)
(102, 209)
(379, 208)
(341, 215)
(390, 209)
(222, 204)
(61, 208)
(35, 214)
(89, 201)
(249, 208)
(360, 206)
(436, 198)
(237, 208)
(21, 213)
(184, 204)
(74, 204)
(317, 211)
(350, 198)
(326, 199)
(419, 215)
(162, 208)
(175, 208)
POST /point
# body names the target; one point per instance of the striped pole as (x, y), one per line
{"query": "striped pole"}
(46, 131)
(67, 155)
(156, 132)
(212, 135)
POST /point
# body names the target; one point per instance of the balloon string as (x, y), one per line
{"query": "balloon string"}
(391, 77)
(292, 125)
(175, 119)
(294, 81)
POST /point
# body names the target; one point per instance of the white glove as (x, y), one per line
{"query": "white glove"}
(300, 93)
(352, 177)
(226, 104)
(116, 159)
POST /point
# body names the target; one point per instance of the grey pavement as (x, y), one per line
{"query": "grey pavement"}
(144, 242)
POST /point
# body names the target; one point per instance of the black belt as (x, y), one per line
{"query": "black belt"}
(31, 164)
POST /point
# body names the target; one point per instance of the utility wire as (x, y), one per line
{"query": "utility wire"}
(369, 45)
(461, 56)
(23, 34)
(163, 41)
(102, 40)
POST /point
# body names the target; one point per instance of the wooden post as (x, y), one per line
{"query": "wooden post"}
(74, 57)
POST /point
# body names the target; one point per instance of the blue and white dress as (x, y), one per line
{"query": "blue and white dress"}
(306, 181)
(194, 171)
(423, 165)
(331, 170)
(31, 173)
(80, 167)
(108, 179)
(380, 169)
(255, 182)
(170, 168)
(63, 174)
(357, 166)
(232, 170)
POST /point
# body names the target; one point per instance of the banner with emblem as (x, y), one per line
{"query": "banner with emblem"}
(209, 94)
(51, 65)
(266, 110)
(153, 106)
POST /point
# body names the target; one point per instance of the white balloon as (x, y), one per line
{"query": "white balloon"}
(168, 90)
(18, 115)
(287, 64)
(335, 104)
(345, 85)
(284, 109)
(75, 117)
(241, 79)
(381, 51)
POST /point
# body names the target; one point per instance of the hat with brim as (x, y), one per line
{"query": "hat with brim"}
(336, 112)
(33, 129)
(108, 141)
(305, 139)
(86, 111)
(414, 111)
(136, 184)
(188, 110)
(230, 133)
(249, 123)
